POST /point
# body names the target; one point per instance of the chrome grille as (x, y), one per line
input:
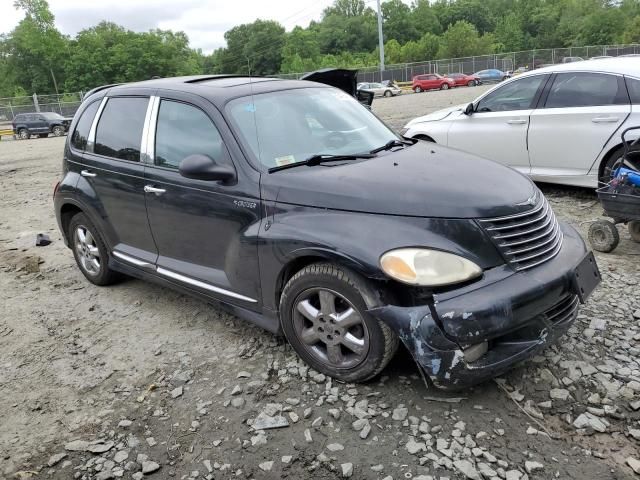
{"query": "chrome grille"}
(526, 239)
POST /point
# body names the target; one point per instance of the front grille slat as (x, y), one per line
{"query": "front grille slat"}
(529, 238)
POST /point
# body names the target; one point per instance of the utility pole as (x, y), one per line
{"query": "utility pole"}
(380, 40)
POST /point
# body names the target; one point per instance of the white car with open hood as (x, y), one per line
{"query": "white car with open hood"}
(559, 124)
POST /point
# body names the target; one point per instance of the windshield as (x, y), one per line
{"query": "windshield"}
(290, 126)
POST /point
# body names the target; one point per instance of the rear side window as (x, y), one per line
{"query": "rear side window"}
(579, 89)
(81, 133)
(184, 130)
(119, 131)
(633, 85)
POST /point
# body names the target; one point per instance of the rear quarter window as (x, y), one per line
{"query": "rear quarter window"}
(633, 86)
(81, 132)
(119, 130)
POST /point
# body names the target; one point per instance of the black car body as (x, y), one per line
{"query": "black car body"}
(240, 233)
(40, 123)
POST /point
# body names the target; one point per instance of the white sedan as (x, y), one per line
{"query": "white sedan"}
(380, 90)
(559, 124)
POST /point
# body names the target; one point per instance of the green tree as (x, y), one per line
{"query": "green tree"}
(509, 33)
(36, 48)
(424, 18)
(255, 47)
(398, 21)
(462, 40)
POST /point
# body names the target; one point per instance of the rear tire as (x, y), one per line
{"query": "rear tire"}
(603, 236)
(323, 316)
(634, 230)
(90, 251)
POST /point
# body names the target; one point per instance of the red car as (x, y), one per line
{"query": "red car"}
(461, 79)
(431, 81)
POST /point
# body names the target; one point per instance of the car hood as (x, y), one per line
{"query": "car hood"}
(424, 180)
(449, 112)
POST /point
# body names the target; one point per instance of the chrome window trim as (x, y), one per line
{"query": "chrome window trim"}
(91, 141)
(151, 131)
(199, 284)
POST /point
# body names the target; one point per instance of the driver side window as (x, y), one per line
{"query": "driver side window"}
(516, 95)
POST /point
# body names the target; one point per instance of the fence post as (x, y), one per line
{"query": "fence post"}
(36, 105)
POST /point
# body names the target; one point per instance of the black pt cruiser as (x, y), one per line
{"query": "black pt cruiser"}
(297, 207)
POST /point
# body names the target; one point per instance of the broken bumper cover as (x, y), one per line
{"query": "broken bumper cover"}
(479, 331)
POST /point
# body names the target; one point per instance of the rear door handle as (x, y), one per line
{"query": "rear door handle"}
(604, 119)
(517, 122)
(157, 191)
(87, 173)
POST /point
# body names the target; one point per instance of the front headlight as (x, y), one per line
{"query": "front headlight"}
(427, 268)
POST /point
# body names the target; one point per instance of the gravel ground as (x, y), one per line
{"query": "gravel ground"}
(135, 380)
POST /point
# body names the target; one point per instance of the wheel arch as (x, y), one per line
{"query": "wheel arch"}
(424, 136)
(67, 212)
(306, 257)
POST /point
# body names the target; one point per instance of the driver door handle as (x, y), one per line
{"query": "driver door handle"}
(157, 191)
(518, 121)
(604, 119)
(87, 173)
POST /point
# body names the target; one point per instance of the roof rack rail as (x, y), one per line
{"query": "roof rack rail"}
(98, 89)
(204, 78)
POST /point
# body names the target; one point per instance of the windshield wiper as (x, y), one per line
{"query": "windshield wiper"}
(321, 158)
(390, 144)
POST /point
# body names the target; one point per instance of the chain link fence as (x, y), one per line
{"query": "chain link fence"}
(65, 104)
(502, 61)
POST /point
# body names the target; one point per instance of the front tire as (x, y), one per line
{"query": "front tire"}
(471, 83)
(418, 89)
(58, 131)
(23, 134)
(323, 316)
(90, 251)
(603, 236)
(444, 86)
(388, 93)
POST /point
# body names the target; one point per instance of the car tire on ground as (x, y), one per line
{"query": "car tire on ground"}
(90, 251)
(603, 236)
(323, 316)
(417, 89)
(634, 230)
(388, 93)
(614, 162)
(58, 131)
(471, 83)
(23, 134)
(444, 86)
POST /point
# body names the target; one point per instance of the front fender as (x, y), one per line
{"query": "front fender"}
(358, 240)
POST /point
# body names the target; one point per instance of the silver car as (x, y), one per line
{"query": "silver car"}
(380, 90)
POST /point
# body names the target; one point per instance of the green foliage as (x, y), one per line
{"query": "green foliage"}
(35, 52)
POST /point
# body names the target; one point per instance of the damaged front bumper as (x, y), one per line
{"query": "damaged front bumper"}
(479, 331)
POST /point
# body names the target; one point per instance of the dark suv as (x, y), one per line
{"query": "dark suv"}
(297, 207)
(42, 124)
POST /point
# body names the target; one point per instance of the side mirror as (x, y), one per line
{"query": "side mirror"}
(469, 109)
(203, 167)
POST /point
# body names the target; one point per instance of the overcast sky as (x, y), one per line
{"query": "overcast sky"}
(204, 21)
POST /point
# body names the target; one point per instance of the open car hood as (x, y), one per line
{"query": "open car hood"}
(345, 80)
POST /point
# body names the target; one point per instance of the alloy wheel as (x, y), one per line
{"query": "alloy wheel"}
(23, 134)
(330, 328)
(58, 131)
(87, 250)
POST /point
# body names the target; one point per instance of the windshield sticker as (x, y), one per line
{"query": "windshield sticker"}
(286, 160)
